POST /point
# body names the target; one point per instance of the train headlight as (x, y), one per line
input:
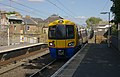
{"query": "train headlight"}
(71, 44)
(51, 44)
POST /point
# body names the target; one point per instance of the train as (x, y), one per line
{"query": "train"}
(64, 38)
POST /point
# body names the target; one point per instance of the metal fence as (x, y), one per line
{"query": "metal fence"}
(114, 41)
(119, 40)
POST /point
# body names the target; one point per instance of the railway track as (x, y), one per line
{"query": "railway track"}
(38, 66)
(43, 66)
(49, 69)
(29, 67)
(15, 59)
(12, 63)
(36, 74)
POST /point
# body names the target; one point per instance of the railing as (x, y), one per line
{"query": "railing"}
(114, 41)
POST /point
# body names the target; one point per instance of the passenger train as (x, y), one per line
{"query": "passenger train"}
(64, 39)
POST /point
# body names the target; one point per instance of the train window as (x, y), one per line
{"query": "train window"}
(60, 32)
(70, 31)
(51, 32)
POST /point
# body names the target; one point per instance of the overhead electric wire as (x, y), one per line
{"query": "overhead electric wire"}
(73, 14)
(58, 7)
(17, 8)
(105, 5)
(14, 7)
(66, 7)
(36, 10)
(103, 8)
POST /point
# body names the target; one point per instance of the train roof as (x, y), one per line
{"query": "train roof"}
(61, 21)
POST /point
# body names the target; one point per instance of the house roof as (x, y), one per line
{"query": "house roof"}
(53, 18)
(103, 26)
(29, 21)
(39, 20)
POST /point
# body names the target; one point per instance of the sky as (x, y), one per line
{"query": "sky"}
(75, 10)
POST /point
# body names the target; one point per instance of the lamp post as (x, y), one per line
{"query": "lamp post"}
(108, 40)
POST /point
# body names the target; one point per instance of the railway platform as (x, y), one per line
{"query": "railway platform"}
(93, 60)
(16, 47)
(12, 55)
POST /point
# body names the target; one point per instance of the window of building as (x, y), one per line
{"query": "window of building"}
(14, 27)
(44, 31)
(28, 28)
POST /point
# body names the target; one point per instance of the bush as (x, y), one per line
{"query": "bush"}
(114, 30)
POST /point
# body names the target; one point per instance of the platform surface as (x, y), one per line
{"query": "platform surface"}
(95, 60)
(100, 61)
(15, 47)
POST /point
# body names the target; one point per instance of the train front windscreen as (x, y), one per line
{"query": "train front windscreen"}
(61, 32)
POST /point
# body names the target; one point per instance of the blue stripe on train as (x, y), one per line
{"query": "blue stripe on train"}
(69, 52)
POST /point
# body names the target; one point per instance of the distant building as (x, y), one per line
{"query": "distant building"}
(52, 18)
(40, 24)
(16, 28)
(33, 29)
(3, 20)
(48, 20)
(38, 20)
(3, 28)
(30, 25)
(15, 24)
(45, 30)
(27, 29)
(100, 30)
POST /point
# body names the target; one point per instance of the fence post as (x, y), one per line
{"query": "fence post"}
(95, 39)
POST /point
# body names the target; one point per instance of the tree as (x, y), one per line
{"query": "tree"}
(14, 12)
(92, 21)
(116, 10)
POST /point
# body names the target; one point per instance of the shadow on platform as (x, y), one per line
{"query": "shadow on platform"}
(99, 61)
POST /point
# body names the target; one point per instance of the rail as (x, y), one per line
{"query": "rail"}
(59, 70)
(37, 73)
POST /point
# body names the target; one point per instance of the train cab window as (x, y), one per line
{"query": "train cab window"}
(70, 31)
(60, 32)
(57, 32)
(51, 32)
